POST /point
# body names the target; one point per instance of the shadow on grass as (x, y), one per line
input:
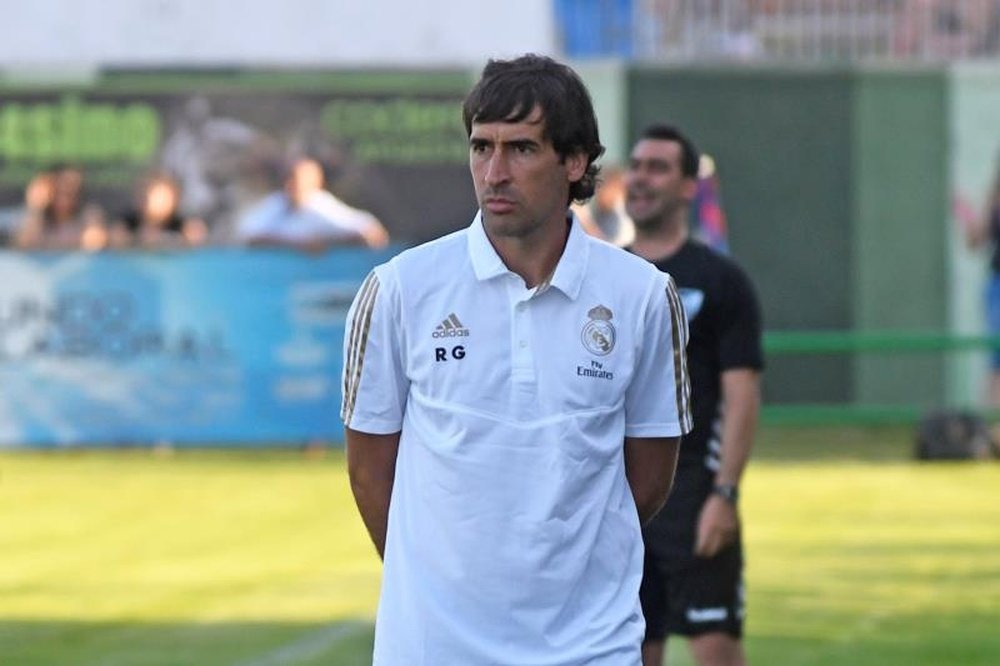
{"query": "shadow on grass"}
(52, 643)
(823, 640)
(876, 640)
(844, 443)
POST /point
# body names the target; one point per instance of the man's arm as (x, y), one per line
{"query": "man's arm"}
(375, 234)
(650, 463)
(719, 523)
(371, 466)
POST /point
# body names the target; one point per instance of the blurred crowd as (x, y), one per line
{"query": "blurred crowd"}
(58, 215)
(906, 30)
(302, 214)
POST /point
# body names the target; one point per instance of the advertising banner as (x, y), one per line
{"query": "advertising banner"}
(391, 142)
(212, 347)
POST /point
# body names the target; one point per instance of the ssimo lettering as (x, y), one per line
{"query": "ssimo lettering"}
(78, 131)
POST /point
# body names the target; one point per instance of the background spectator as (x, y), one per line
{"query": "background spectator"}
(57, 216)
(604, 215)
(307, 217)
(155, 220)
(708, 217)
(982, 231)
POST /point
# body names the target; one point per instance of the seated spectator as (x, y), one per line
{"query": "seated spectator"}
(56, 217)
(306, 217)
(155, 222)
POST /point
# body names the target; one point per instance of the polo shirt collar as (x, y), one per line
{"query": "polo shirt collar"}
(486, 262)
(569, 273)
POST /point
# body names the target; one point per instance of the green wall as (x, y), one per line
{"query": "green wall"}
(781, 142)
(836, 184)
(606, 82)
(899, 187)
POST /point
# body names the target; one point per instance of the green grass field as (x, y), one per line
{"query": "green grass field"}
(857, 556)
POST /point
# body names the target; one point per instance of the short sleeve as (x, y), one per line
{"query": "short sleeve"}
(375, 385)
(658, 400)
(339, 218)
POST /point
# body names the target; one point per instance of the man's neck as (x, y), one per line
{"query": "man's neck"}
(533, 258)
(661, 242)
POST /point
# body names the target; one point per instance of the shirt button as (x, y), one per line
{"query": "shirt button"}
(520, 307)
(522, 344)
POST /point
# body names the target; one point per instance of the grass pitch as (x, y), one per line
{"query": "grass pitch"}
(856, 555)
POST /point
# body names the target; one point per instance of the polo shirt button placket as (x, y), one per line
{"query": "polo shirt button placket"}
(523, 359)
(522, 356)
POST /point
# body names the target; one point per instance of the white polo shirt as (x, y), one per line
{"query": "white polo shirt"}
(513, 537)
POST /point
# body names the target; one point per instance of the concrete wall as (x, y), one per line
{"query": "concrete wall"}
(974, 131)
(78, 34)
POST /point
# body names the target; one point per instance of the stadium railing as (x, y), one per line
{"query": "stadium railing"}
(754, 31)
(781, 343)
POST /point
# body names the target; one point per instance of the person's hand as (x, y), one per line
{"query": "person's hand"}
(375, 235)
(38, 194)
(195, 231)
(95, 234)
(718, 526)
(94, 238)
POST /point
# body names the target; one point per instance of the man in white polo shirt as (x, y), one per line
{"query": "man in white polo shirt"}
(514, 395)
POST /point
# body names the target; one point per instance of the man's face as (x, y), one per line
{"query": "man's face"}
(161, 200)
(655, 185)
(521, 183)
(305, 179)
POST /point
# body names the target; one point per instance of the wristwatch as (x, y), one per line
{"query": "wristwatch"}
(727, 491)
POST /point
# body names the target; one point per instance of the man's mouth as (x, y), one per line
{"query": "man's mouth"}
(498, 205)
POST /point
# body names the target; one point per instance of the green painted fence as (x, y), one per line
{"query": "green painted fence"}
(848, 344)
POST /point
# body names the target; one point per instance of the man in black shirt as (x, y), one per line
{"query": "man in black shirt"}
(693, 578)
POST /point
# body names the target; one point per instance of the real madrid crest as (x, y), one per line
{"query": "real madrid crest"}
(599, 333)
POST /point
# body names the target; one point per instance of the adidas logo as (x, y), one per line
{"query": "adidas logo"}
(451, 328)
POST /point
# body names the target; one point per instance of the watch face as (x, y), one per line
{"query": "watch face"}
(729, 493)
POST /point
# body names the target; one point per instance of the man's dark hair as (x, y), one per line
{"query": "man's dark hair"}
(689, 153)
(509, 90)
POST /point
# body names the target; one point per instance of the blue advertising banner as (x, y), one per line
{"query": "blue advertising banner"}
(227, 347)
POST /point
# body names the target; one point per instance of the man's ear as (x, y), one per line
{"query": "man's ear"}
(576, 166)
(689, 188)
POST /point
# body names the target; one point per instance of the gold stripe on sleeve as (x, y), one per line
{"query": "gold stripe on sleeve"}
(360, 326)
(679, 337)
(354, 331)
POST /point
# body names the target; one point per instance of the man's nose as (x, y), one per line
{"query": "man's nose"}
(497, 170)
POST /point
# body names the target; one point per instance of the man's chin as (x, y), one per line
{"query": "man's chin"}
(508, 226)
(646, 223)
